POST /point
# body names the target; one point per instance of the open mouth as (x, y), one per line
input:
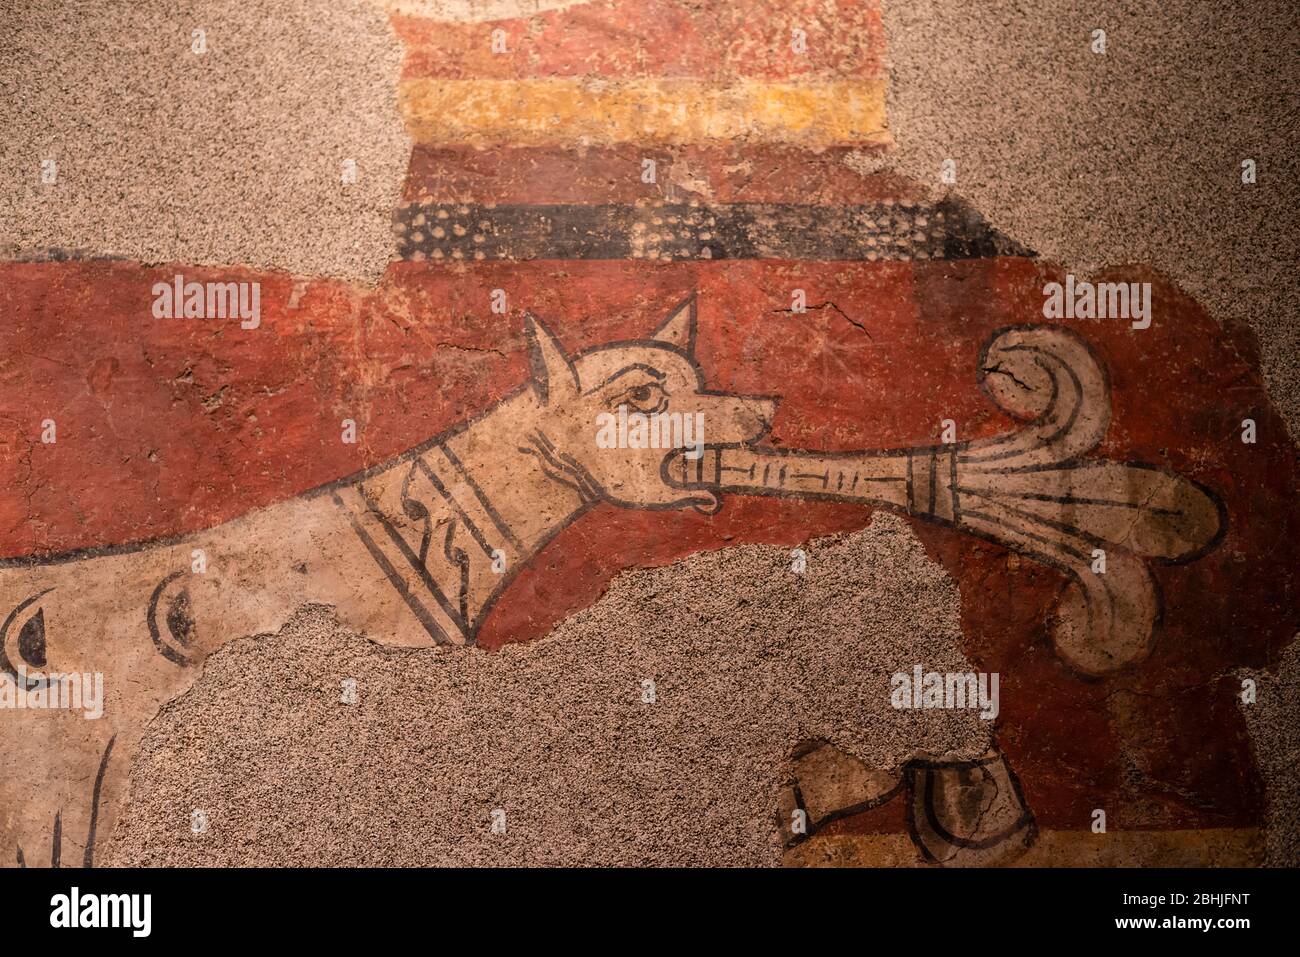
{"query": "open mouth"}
(694, 471)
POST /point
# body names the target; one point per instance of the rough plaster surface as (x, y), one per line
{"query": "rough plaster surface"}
(474, 11)
(1133, 156)
(232, 156)
(748, 660)
(1274, 721)
(1129, 157)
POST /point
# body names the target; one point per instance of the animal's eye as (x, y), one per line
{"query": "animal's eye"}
(647, 397)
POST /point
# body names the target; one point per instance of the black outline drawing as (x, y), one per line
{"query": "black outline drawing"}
(56, 840)
(930, 483)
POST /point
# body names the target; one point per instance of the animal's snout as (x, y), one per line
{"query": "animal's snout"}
(674, 468)
(690, 468)
(763, 411)
(736, 419)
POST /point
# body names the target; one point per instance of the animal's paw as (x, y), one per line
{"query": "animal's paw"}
(969, 813)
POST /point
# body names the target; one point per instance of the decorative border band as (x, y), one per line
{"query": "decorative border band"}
(679, 231)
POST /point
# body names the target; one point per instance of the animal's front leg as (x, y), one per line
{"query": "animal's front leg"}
(960, 812)
(82, 680)
(126, 633)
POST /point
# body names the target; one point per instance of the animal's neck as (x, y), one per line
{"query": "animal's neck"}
(510, 466)
(454, 523)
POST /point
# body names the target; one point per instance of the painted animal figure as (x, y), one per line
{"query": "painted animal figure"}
(416, 551)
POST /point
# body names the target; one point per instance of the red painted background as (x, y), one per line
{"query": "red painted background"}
(167, 426)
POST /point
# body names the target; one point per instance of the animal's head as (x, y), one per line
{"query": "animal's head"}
(612, 414)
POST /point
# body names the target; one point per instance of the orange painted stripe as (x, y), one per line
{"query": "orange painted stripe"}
(568, 111)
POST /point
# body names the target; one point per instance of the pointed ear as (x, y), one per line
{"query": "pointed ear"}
(553, 373)
(679, 328)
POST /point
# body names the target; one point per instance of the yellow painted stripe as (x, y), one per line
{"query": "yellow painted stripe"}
(1212, 847)
(564, 110)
